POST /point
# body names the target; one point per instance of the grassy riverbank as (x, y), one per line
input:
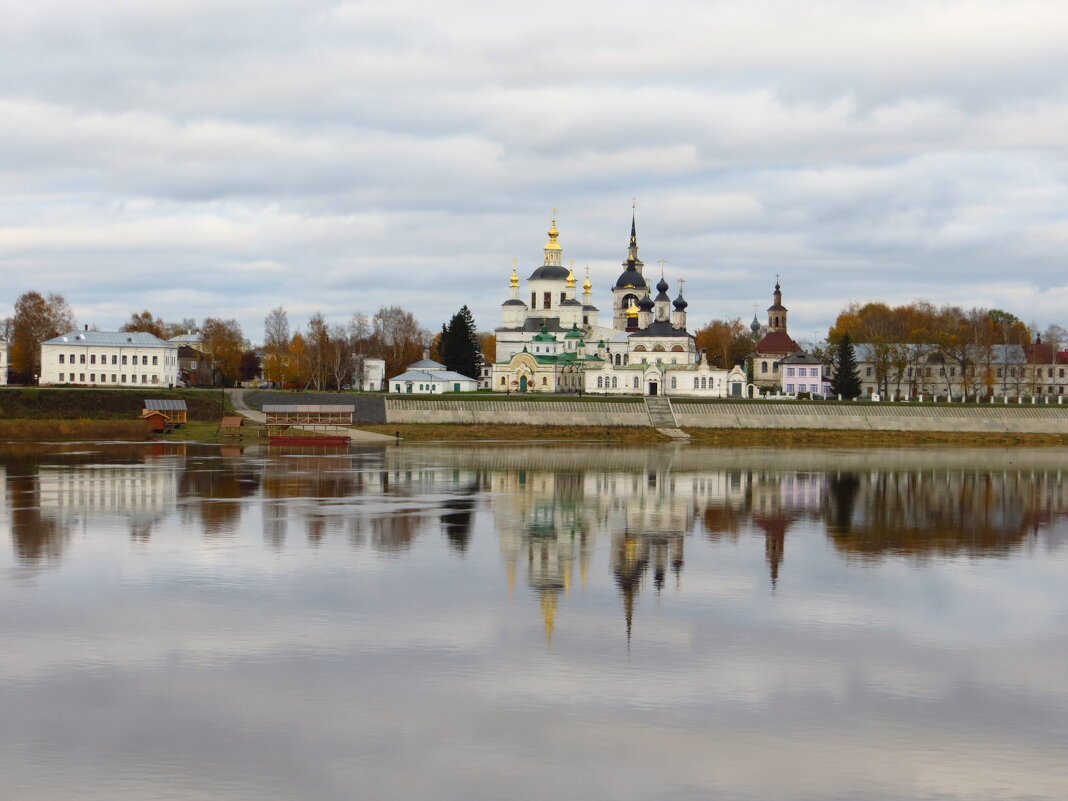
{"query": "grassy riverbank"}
(455, 432)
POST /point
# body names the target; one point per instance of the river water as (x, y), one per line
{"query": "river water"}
(532, 621)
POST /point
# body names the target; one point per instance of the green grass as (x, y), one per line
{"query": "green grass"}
(58, 403)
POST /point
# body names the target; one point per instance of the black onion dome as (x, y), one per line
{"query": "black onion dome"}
(661, 285)
(630, 279)
(646, 303)
(680, 303)
(550, 272)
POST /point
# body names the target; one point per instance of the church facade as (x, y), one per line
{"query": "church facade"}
(559, 343)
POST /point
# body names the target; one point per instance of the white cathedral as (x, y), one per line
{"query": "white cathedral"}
(557, 343)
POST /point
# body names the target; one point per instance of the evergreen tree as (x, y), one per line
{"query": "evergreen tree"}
(846, 379)
(461, 349)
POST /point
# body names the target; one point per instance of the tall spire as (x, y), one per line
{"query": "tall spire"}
(633, 262)
(553, 251)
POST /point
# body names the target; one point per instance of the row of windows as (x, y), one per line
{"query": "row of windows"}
(813, 388)
(922, 371)
(547, 299)
(63, 377)
(764, 367)
(104, 359)
(812, 371)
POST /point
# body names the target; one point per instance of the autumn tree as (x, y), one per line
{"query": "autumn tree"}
(224, 345)
(725, 342)
(488, 344)
(318, 339)
(276, 344)
(36, 319)
(250, 366)
(398, 338)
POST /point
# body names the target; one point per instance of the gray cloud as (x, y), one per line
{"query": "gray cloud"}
(344, 156)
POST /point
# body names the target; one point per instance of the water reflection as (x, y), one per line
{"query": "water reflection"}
(436, 622)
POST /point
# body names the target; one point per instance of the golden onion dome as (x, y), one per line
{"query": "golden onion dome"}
(515, 277)
(633, 310)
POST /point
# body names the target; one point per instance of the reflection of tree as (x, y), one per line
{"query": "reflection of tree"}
(36, 537)
(918, 514)
(394, 532)
(456, 518)
(214, 490)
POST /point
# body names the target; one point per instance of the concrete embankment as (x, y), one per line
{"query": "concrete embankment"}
(1017, 419)
(518, 411)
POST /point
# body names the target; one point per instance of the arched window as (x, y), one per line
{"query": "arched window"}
(504, 381)
(695, 382)
(656, 349)
(677, 349)
(613, 382)
(673, 384)
(636, 380)
(600, 382)
(626, 359)
(639, 348)
(543, 381)
(763, 367)
(618, 360)
(703, 384)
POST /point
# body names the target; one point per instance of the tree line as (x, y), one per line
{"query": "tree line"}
(322, 356)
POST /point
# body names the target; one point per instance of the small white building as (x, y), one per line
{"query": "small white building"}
(3, 363)
(428, 377)
(800, 372)
(374, 375)
(106, 358)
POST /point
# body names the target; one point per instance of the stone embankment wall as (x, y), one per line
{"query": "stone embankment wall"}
(525, 412)
(871, 417)
(1019, 419)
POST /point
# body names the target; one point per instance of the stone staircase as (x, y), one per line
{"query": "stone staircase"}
(662, 418)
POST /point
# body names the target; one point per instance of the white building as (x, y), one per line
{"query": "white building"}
(428, 377)
(105, 358)
(3, 363)
(374, 375)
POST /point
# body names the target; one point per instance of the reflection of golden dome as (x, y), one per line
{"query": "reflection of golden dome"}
(548, 614)
(633, 310)
(515, 277)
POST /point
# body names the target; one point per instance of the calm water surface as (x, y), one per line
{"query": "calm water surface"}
(530, 622)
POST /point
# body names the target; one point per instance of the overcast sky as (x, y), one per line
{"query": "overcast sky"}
(221, 157)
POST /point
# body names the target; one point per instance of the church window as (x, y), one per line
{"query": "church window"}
(618, 360)
(677, 349)
(696, 384)
(543, 382)
(626, 359)
(533, 300)
(585, 319)
(658, 348)
(600, 382)
(636, 380)
(503, 381)
(704, 384)
(774, 367)
(613, 382)
(763, 367)
(673, 382)
(639, 348)
(562, 297)
(547, 300)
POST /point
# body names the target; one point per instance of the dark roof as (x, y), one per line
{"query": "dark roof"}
(777, 307)
(590, 308)
(630, 278)
(800, 357)
(535, 324)
(165, 405)
(571, 302)
(513, 302)
(550, 273)
(777, 342)
(661, 328)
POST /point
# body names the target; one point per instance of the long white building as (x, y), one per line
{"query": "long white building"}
(106, 358)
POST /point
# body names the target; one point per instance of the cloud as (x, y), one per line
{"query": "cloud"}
(895, 151)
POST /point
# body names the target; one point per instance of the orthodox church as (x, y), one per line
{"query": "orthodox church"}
(775, 346)
(558, 343)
